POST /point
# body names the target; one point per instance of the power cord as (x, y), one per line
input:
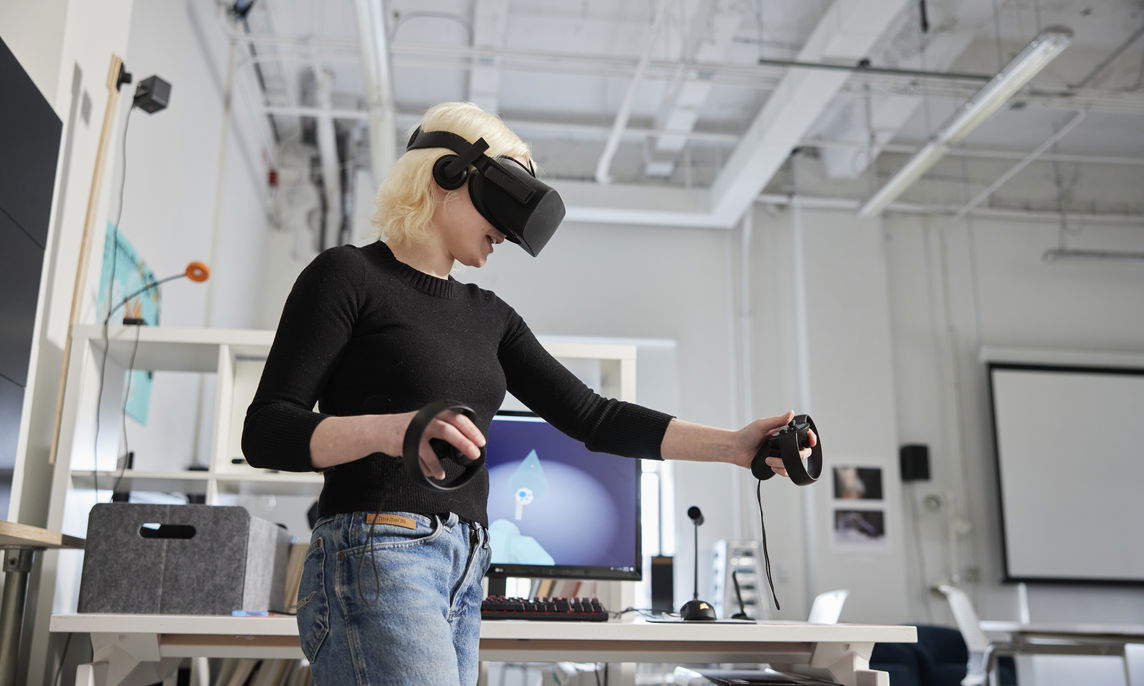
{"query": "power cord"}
(643, 612)
(126, 398)
(63, 659)
(114, 252)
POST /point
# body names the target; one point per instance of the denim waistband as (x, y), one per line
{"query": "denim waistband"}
(449, 519)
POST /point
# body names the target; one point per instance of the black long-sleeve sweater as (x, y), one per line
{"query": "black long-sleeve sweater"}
(364, 333)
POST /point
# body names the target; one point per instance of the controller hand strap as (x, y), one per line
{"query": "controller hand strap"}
(787, 444)
(412, 446)
(791, 443)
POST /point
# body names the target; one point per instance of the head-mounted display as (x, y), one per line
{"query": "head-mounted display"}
(506, 193)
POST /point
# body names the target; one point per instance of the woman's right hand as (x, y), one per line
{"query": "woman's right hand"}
(452, 427)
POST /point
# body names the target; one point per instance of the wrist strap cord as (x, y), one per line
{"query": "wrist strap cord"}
(766, 554)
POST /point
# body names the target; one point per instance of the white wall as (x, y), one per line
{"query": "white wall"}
(998, 292)
(169, 211)
(841, 290)
(190, 195)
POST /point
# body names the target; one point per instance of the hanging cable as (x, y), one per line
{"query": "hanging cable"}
(126, 397)
(114, 253)
(997, 35)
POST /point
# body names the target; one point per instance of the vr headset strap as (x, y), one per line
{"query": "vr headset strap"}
(471, 154)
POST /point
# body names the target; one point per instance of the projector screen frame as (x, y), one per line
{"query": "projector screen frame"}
(992, 365)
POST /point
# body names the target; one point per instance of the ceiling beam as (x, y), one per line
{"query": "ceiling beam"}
(847, 32)
(710, 39)
(618, 203)
(490, 17)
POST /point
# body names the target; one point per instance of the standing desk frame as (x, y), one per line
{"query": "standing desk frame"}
(841, 652)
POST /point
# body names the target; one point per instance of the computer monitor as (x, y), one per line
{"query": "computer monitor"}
(557, 509)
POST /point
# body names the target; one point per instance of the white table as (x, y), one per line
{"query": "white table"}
(1122, 640)
(839, 651)
(18, 545)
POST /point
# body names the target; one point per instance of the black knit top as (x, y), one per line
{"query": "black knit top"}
(364, 333)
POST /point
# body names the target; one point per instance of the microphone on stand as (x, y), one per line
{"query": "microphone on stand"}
(696, 609)
(195, 271)
(742, 613)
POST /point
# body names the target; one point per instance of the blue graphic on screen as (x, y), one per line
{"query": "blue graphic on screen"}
(553, 502)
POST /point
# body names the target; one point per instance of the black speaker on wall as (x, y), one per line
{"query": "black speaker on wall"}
(914, 462)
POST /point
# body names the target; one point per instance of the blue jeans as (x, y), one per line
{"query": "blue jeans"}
(394, 602)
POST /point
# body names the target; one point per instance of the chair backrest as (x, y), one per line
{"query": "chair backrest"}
(966, 618)
(827, 607)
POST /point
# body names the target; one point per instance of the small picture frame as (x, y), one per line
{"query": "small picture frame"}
(861, 529)
(854, 482)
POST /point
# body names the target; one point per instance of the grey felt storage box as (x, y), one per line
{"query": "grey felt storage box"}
(182, 559)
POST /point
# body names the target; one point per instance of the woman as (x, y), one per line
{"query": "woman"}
(391, 590)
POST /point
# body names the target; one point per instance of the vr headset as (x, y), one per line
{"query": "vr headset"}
(505, 192)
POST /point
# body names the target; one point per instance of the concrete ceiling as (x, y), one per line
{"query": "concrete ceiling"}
(659, 111)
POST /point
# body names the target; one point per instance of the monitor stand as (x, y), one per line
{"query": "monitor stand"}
(498, 585)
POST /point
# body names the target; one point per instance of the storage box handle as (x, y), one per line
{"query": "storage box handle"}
(157, 530)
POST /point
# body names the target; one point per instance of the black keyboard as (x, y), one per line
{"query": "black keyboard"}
(544, 609)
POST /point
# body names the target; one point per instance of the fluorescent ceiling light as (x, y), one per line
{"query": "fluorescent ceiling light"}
(1027, 64)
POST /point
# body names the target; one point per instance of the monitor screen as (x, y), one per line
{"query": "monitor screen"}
(557, 509)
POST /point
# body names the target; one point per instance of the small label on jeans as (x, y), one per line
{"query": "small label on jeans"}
(395, 520)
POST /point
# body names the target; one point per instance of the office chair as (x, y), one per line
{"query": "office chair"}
(983, 653)
(827, 607)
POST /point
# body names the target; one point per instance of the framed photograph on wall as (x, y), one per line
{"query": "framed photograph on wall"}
(859, 529)
(854, 482)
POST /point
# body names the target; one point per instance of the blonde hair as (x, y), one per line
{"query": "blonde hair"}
(406, 200)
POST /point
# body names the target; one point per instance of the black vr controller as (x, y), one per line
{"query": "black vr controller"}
(444, 451)
(786, 443)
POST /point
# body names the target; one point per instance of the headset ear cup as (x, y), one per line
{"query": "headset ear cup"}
(442, 176)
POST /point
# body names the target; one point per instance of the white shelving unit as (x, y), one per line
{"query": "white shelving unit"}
(235, 359)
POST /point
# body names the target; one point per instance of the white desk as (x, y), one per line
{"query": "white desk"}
(1121, 640)
(18, 544)
(839, 651)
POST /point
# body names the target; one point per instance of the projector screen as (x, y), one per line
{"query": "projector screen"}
(1070, 465)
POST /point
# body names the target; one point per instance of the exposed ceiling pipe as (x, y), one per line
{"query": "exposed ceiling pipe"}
(1108, 60)
(603, 175)
(1012, 171)
(979, 153)
(759, 77)
(328, 156)
(596, 131)
(1069, 254)
(378, 78)
(851, 204)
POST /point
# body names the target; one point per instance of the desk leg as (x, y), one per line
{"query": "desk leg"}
(17, 564)
(848, 664)
(85, 675)
(1134, 664)
(131, 659)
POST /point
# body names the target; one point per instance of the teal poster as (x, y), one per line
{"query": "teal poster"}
(123, 273)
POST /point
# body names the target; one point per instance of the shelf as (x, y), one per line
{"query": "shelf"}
(270, 483)
(137, 480)
(175, 349)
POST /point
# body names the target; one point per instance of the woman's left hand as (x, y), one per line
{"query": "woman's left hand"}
(751, 436)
